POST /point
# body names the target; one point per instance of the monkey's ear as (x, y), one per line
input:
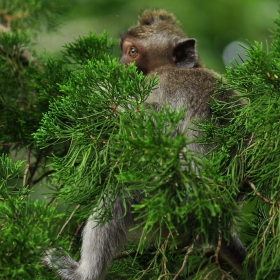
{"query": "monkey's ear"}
(184, 53)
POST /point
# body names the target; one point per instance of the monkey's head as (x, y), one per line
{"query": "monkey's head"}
(157, 41)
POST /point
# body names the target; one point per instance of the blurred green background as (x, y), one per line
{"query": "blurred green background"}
(218, 25)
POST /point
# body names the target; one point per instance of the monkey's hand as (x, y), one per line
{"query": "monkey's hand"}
(64, 265)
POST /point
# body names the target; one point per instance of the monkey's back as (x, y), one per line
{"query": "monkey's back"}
(192, 88)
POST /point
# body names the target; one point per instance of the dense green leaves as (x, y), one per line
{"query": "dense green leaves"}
(85, 116)
(34, 15)
(160, 164)
(254, 133)
(23, 226)
(88, 48)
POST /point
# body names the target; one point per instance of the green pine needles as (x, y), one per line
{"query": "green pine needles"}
(254, 134)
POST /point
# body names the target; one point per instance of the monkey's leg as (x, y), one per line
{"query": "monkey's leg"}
(99, 246)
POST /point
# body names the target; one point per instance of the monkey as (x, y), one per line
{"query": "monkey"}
(155, 45)
(157, 41)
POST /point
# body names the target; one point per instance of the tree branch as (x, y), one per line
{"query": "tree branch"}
(260, 196)
(26, 168)
(67, 222)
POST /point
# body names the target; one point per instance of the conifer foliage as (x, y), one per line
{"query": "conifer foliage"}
(78, 127)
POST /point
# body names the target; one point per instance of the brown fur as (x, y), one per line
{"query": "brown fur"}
(151, 22)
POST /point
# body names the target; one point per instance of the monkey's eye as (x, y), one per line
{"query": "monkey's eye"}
(133, 52)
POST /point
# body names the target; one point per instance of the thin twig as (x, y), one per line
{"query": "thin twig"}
(218, 248)
(251, 139)
(267, 228)
(164, 275)
(162, 247)
(157, 253)
(33, 170)
(53, 198)
(125, 255)
(190, 249)
(9, 18)
(223, 272)
(42, 177)
(9, 144)
(27, 167)
(148, 268)
(76, 232)
(260, 196)
(67, 222)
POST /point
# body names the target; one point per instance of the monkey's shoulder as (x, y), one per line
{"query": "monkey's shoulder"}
(188, 79)
(182, 74)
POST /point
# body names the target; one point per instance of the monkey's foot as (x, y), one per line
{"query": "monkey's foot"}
(60, 261)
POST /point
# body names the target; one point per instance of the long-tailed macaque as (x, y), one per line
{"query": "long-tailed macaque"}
(155, 45)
